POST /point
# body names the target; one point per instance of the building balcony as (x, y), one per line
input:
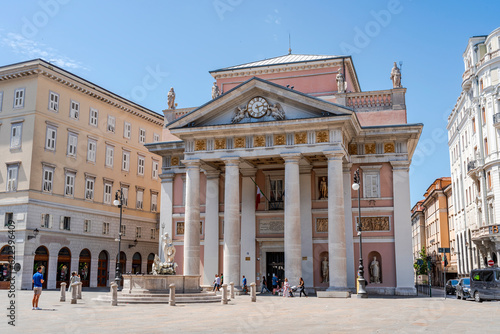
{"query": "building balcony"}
(276, 205)
(370, 101)
(471, 165)
(486, 232)
(496, 120)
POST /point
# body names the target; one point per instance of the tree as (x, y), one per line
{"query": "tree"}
(421, 264)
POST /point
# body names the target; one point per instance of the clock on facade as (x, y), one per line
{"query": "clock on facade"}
(257, 107)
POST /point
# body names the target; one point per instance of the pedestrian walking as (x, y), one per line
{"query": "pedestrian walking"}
(37, 287)
(275, 283)
(216, 283)
(264, 285)
(244, 284)
(286, 288)
(301, 288)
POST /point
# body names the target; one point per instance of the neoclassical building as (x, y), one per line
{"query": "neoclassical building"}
(473, 129)
(257, 181)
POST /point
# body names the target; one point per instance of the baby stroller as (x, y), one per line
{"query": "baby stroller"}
(292, 290)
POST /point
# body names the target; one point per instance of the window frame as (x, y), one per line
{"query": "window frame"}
(142, 136)
(155, 169)
(48, 182)
(72, 135)
(126, 162)
(125, 190)
(14, 104)
(156, 137)
(127, 130)
(12, 181)
(87, 226)
(140, 168)
(71, 175)
(111, 125)
(105, 228)
(74, 113)
(369, 176)
(108, 196)
(13, 126)
(139, 200)
(89, 151)
(92, 117)
(53, 105)
(48, 139)
(89, 180)
(110, 158)
(154, 202)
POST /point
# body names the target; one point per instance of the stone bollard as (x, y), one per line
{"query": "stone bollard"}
(231, 290)
(74, 286)
(79, 290)
(63, 292)
(224, 294)
(171, 295)
(253, 292)
(114, 294)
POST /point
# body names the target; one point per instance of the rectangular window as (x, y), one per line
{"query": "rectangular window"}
(12, 177)
(156, 165)
(65, 223)
(1, 100)
(154, 202)
(89, 188)
(105, 228)
(94, 115)
(153, 234)
(276, 195)
(69, 184)
(110, 153)
(140, 165)
(74, 111)
(46, 220)
(156, 137)
(126, 161)
(86, 225)
(140, 196)
(9, 216)
(125, 195)
(50, 141)
(138, 232)
(53, 101)
(127, 130)
(91, 150)
(473, 125)
(19, 98)
(124, 230)
(15, 135)
(72, 144)
(48, 177)
(371, 181)
(111, 123)
(108, 190)
(486, 151)
(489, 180)
(142, 136)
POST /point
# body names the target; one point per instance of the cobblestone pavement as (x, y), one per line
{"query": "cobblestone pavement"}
(269, 314)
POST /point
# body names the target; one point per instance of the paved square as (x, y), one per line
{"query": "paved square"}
(268, 314)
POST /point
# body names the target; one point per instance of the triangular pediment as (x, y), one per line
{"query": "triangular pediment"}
(258, 100)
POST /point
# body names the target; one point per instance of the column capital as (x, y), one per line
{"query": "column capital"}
(334, 154)
(167, 177)
(248, 172)
(291, 157)
(347, 167)
(400, 165)
(212, 174)
(191, 163)
(231, 161)
(305, 169)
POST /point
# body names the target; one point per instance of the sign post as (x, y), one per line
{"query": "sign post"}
(491, 263)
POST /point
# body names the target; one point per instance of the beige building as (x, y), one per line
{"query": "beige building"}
(67, 146)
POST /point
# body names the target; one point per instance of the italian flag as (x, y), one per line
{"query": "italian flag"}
(257, 197)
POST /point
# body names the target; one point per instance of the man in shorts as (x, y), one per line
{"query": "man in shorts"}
(37, 287)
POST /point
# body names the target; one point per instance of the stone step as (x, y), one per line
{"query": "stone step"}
(155, 299)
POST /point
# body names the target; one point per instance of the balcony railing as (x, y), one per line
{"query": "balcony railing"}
(276, 205)
(378, 100)
(471, 165)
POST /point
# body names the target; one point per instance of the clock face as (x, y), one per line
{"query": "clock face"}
(257, 107)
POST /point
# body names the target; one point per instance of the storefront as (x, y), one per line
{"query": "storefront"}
(42, 260)
(102, 269)
(63, 267)
(136, 263)
(84, 267)
(5, 271)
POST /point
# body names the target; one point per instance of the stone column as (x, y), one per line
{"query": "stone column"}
(211, 246)
(192, 219)
(293, 251)
(248, 194)
(402, 228)
(51, 271)
(232, 221)
(336, 223)
(306, 226)
(94, 266)
(351, 268)
(166, 209)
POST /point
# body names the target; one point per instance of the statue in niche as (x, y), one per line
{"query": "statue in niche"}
(325, 270)
(375, 271)
(171, 98)
(396, 76)
(215, 91)
(340, 82)
(323, 188)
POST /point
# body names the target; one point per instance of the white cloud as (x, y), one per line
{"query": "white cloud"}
(21, 45)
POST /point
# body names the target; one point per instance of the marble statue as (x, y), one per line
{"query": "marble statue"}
(240, 114)
(277, 112)
(396, 76)
(167, 267)
(215, 91)
(340, 82)
(325, 270)
(375, 271)
(171, 98)
(323, 188)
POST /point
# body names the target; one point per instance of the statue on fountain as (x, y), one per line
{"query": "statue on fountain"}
(167, 267)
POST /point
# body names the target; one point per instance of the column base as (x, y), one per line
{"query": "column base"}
(334, 292)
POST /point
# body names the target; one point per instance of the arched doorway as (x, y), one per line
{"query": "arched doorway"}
(42, 260)
(136, 263)
(84, 267)
(102, 269)
(151, 258)
(63, 267)
(6, 254)
(123, 263)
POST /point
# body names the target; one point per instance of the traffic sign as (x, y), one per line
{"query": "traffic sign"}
(443, 250)
(491, 263)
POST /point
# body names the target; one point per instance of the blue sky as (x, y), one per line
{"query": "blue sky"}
(139, 49)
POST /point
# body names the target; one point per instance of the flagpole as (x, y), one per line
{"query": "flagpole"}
(260, 190)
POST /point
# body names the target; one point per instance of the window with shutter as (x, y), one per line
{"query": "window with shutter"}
(15, 135)
(91, 150)
(53, 101)
(12, 177)
(72, 144)
(93, 117)
(371, 184)
(110, 152)
(75, 110)
(111, 124)
(48, 175)
(50, 143)
(19, 98)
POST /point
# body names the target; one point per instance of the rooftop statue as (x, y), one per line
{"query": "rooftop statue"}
(171, 98)
(396, 76)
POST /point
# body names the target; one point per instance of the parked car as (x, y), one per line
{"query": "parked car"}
(451, 286)
(463, 288)
(485, 284)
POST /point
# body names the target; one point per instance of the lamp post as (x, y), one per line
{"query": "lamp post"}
(119, 203)
(361, 280)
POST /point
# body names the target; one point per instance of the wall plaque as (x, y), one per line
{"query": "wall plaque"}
(374, 223)
(271, 226)
(180, 228)
(322, 225)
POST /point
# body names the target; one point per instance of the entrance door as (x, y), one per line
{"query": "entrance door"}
(102, 269)
(84, 267)
(42, 260)
(275, 263)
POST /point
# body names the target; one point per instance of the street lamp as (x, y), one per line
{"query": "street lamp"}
(361, 280)
(119, 203)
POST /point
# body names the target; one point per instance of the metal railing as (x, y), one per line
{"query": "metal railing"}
(276, 205)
